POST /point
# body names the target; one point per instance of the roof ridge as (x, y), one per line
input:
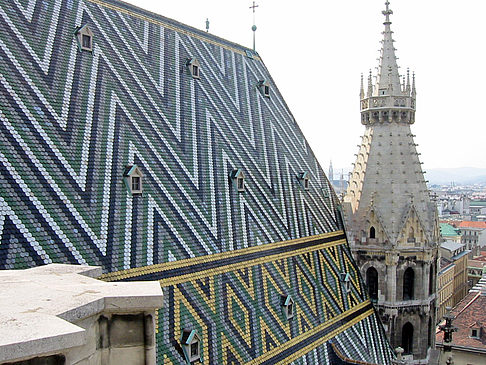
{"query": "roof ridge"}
(478, 294)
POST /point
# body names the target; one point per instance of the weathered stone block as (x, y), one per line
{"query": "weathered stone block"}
(126, 330)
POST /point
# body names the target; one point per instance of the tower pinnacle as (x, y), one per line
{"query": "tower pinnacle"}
(388, 98)
(388, 82)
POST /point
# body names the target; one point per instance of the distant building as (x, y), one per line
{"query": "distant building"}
(469, 342)
(473, 235)
(449, 233)
(475, 268)
(456, 254)
(445, 290)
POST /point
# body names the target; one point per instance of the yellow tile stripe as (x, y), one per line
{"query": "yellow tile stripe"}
(317, 343)
(139, 271)
(169, 26)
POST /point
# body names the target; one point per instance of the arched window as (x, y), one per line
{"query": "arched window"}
(407, 338)
(372, 232)
(372, 283)
(411, 234)
(431, 279)
(408, 282)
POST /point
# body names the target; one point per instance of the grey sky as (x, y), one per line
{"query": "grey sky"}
(316, 51)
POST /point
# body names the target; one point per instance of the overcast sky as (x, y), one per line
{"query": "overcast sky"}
(316, 51)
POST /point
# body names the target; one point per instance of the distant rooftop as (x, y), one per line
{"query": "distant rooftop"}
(451, 245)
(446, 230)
(471, 224)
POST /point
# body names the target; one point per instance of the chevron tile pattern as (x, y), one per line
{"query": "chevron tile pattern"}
(71, 121)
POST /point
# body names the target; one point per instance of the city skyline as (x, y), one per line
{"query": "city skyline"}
(316, 53)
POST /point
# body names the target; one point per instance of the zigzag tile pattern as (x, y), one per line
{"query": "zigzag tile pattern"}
(70, 123)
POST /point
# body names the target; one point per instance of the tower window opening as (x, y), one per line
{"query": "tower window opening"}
(408, 283)
(407, 338)
(372, 283)
(431, 279)
(372, 232)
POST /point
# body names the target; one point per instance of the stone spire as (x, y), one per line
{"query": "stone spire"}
(388, 79)
(388, 99)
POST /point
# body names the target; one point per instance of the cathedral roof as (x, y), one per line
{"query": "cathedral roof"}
(161, 152)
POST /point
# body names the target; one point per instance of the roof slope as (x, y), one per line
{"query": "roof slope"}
(72, 121)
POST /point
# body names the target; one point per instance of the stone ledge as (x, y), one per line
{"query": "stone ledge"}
(38, 306)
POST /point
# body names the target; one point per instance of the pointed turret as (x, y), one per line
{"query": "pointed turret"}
(388, 79)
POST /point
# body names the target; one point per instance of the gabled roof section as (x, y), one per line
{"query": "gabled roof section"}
(412, 218)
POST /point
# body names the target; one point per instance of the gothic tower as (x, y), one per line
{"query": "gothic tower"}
(390, 216)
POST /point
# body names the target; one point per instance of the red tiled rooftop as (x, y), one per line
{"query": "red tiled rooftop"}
(470, 224)
(476, 263)
(469, 311)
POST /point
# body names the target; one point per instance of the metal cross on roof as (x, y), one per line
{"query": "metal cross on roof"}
(253, 7)
(254, 28)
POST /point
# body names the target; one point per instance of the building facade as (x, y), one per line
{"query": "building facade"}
(391, 219)
(158, 151)
(473, 235)
(445, 288)
(457, 255)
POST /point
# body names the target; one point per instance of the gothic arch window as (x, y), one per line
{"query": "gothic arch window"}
(431, 279)
(372, 232)
(372, 283)
(411, 235)
(408, 282)
(407, 338)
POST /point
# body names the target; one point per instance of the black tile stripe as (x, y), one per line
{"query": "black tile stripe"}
(203, 266)
(316, 336)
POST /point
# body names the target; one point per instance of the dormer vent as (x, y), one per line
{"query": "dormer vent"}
(132, 178)
(288, 306)
(84, 37)
(264, 87)
(238, 178)
(304, 180)
(191, 345)
(194, 67)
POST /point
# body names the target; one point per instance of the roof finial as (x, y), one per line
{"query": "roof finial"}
(254, 27)
(370, 84)
(408, 80)
(413, 84)
(207, 25)
(387, 12)
(361, 90)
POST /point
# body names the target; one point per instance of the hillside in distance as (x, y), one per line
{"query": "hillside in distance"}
(459, 176)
